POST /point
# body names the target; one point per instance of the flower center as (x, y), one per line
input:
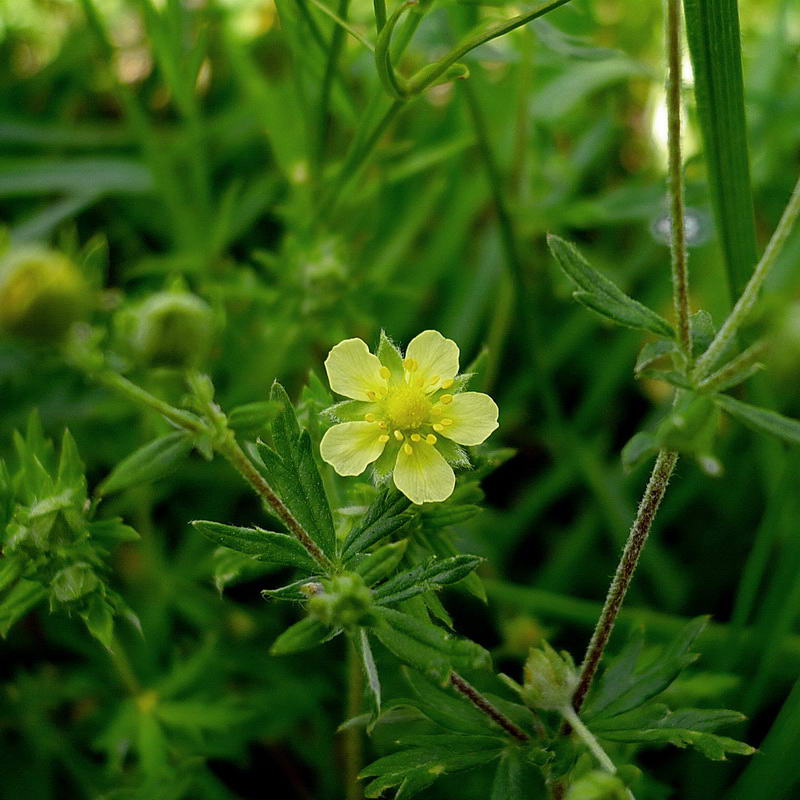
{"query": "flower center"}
(407, 407)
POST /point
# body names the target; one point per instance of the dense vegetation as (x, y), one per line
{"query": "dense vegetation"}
(202, 203)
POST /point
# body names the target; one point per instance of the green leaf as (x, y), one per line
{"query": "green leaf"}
(761, 419)
(361, 643)
(252, 418)
(598, 293)
(384, 517)
(712, 29)
(149, 463)
(293, 473)
(379, 564)
(427, 647)
(626, 685)
(656, 724)
(639, 448)
(274, 548)
(429, 757)
(653, 352)
(303, 635)
(99, 619)
(18, 602)
(292, 591)
(430, 576)
(510, 781)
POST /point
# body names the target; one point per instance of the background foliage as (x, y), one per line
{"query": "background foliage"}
(168, 141)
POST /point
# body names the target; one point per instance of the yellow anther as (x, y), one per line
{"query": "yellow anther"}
(382, 425)
(407, 449)
(372, 396)
(447, 384)
(436, 410)
(437, 427)
(447, 421)
(434, 379)
(415, 437)
(385, 372)
(446, 398)
(370, 417)
(419, 382)
(430, 439)
(383, 438)
(399, 436)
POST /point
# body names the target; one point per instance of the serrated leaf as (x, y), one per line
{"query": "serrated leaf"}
(385, 516)
(150, 462)
(626, 685)
(759, 419)
(303, 635)
(430, 576)
(691, 727)
(601, 295)
(293, 473)
(427, 647)
(379, 564)
(261, 545)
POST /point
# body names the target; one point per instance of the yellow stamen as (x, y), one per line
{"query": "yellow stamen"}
(372, 396)
(446, 398)
(415, 437)
(437, 427)
(385, 372)
(410, 364)
(419, 382)
(447, 384)
(437, 409)
(383, 425)
(434, 379)
(399, 436)
(383, 438)
(447, 421)
(370, 417)
(430, 439)
(407, 449)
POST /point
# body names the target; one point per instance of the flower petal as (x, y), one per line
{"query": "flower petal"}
(435, 356)
(353, 371)
(424, 476)
(473, 415)
(351, 446)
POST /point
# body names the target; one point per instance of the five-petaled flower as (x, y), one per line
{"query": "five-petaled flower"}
(407, 415)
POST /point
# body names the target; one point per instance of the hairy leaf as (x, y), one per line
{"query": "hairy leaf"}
(761, 419)
(433, 574)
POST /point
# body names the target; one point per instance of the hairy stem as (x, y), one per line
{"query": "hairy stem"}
(680, 269)
(226, 446)
(353, 746)
(651, 500)
(587, 737)
(485, 707)
(744, 305)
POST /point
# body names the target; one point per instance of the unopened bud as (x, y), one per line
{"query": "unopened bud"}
(42, 293)
(342, 602)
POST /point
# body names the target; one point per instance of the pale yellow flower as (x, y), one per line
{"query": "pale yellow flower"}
(407, 415)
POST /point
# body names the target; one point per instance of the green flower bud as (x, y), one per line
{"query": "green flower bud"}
(172, 329)
(598, 785)
(691, 428)
(73, 582)
(342, 602)
(42, 293)
(550, 679)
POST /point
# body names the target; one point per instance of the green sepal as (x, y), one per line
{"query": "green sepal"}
(303, 635)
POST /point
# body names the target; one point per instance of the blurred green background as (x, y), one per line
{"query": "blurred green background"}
(185, 141)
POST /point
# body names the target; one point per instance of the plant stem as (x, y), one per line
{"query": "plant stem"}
(380, 14)
(651, 500)
(225, 445)
(744, 305)
(587, 737)
(680, 269)
(121, 662)
(230, 450)
(485, 707)
(353, 749)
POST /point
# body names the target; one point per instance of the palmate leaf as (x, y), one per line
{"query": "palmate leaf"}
(274, 548)
(627, 684)
(385, 516)
(427, 758)
(430, 576)
(292, 471)
(602, 296)
(427, 647)
(690, 727)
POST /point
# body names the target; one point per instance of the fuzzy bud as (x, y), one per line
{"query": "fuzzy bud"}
(172, 329)
(42, 293)
(342, 602)
(550, 679)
